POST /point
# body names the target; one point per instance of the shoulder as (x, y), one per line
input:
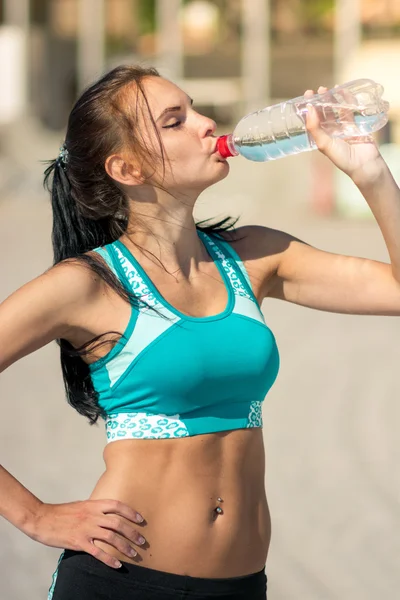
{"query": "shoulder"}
(46, 308)
(63, 289)
(73, 278)
(256, 243)
(262, 251)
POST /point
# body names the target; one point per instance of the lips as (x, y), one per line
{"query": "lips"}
(215, 151)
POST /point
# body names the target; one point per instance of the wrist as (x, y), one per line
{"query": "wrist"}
(28, 519)
(371, 174)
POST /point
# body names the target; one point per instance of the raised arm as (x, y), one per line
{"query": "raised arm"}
(317, 279)
(291, 270)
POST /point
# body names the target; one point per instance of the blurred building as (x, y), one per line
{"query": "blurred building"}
(60, 42)
(232, 56)
(220, 48)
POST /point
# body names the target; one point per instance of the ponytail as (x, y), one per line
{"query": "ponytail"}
(72, 236)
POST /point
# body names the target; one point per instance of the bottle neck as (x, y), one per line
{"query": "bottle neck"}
(226, 146)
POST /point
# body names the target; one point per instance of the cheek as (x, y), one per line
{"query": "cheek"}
(182, 147)
(182, 157)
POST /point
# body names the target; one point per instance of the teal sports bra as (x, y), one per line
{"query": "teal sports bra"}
(172, 375)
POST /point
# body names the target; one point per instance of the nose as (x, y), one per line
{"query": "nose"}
(208, 126)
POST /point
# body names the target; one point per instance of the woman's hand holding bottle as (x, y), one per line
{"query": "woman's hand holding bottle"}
(75, 525)
(358, 157)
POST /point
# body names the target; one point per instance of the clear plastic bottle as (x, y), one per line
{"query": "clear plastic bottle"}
(352, 109)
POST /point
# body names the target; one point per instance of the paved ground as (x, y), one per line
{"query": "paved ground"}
(331, 421)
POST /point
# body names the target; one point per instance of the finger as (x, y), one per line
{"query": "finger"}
(360, 139)
(328, 112)
(347, 114)
(312, 119)
(122, 527)
(309, 93)
(117, 541)
(322, 139)
(102, 556)
(117, 507)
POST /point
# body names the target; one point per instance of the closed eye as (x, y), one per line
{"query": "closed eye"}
(173, 125)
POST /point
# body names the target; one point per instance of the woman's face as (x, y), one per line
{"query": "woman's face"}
(191, 161)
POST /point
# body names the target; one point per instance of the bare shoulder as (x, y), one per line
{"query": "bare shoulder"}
(261, 249)
(257, 244)
(74, 277)
(45, 309)
(65, 286)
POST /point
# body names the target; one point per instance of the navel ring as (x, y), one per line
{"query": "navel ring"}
(218, 509)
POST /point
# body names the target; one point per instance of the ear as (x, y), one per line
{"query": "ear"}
(122, 171)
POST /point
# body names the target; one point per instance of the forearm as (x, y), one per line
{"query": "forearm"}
(383, 197)
(17, 504)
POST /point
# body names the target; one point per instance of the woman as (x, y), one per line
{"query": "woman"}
(161, 334)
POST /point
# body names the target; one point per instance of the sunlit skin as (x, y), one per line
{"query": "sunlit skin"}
(175, 484)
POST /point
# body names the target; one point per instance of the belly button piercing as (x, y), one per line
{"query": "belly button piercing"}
(218, 510)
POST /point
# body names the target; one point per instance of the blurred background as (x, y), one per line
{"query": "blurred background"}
(332, 418)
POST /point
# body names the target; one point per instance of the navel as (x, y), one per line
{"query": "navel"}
(218, 510)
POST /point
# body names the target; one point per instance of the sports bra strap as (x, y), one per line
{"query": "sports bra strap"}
(104, 253)
(231, 261)
(120, 262)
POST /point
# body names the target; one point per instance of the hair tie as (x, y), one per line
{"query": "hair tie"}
(63, 157)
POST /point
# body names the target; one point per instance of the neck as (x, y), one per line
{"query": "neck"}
(163, 231)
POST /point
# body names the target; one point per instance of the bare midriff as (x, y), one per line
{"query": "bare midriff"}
(176, 485)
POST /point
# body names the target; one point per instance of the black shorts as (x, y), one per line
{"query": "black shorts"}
(80, 576)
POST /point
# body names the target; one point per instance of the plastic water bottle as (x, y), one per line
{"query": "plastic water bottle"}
(353, 109)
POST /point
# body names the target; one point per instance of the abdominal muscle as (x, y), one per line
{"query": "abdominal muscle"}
(175, 485)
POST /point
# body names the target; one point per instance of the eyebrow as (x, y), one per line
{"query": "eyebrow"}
(173, 109)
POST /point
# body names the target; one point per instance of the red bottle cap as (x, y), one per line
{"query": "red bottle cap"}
(225, 147)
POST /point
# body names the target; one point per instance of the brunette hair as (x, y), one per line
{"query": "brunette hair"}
(89, 209)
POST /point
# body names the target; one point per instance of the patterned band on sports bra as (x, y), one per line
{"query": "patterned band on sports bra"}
(172, 375)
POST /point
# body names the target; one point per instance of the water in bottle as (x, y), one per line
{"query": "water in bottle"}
(353, 109)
